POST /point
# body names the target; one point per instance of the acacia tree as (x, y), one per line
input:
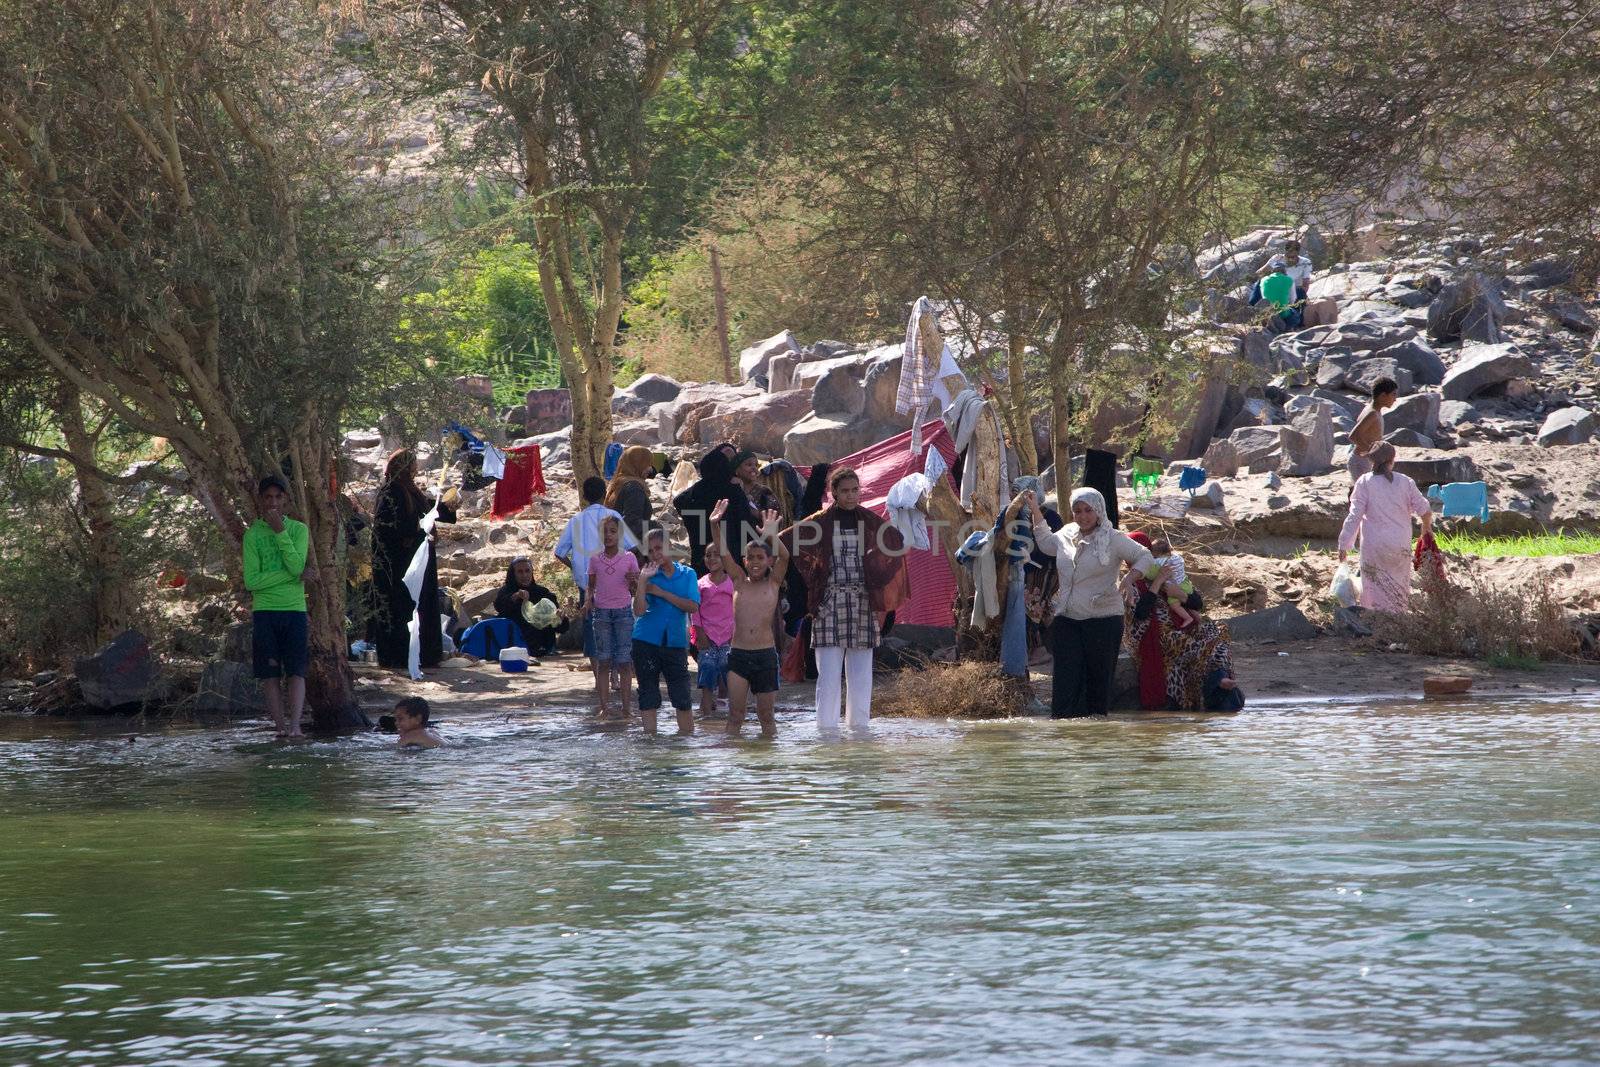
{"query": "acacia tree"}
(1032, 159)
(181, 247)
(576, 89)
(1485, 113)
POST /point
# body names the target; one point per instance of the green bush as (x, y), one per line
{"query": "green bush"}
(488, 317)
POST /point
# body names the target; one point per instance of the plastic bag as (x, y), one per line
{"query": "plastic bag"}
(1345, 586)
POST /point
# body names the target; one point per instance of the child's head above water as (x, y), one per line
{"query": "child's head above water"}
(411, 713)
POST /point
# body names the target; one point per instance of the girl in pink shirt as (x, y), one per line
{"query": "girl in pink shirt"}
(713, 630)
(612, 573)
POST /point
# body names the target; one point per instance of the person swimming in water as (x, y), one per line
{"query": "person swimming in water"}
(411, 720)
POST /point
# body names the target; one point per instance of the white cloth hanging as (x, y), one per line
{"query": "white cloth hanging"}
(416, 572)
(905, 508)
(933, 467)
(494, 462)
(919, 359)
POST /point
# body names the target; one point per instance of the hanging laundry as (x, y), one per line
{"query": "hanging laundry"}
(522, 480)
(1462, 499)
(1100, 472)
(905, 508)
(494, 462)
(919, 365)
(613, 456)
(977, 555)
(469, 440)
(1192, 478)
(934, 466)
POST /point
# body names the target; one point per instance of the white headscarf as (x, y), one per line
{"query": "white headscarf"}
(1100, 537)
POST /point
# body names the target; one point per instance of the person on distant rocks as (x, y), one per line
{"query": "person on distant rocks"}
(1291, 262)
(627, 494)
(695, 503)
(1381, 507)
(1086, 615)
(854, 566)
(396, 533)
(1368, 430)
(275, 549)
(757, 588)
(520, 591)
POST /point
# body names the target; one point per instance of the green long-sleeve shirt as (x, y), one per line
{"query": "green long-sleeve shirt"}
(273, 563)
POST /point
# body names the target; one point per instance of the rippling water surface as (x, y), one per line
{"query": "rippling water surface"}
(1332, 885)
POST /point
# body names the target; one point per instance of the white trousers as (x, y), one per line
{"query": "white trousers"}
(853, 667)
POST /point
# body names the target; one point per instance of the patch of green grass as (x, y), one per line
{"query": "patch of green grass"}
(1512, 661)
(1560, 543)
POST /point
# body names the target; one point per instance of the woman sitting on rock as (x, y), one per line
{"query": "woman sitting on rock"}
(519, 591)
(1179, 670)
(1381, 507)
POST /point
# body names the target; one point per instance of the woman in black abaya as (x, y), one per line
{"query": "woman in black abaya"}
(396, 533)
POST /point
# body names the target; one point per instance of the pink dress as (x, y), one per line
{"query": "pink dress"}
(715, 617)
(1380, 514)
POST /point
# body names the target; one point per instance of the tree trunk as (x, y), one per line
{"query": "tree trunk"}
(114, 601)
(1061, 429)
(330, 684)
(721, 301)
(1021, 417)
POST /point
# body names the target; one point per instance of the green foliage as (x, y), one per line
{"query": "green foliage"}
(1559, 543)
(488, 317)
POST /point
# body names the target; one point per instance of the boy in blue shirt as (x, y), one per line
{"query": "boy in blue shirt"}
(664, 597)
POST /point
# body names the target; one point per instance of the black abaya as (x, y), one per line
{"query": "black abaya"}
(396, 533)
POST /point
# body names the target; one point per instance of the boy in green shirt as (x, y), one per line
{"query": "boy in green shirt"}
(274, 564)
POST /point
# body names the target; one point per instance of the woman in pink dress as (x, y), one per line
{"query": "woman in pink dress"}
(1381, 507)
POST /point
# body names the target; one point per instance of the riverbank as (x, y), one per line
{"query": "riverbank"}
(1314, 670)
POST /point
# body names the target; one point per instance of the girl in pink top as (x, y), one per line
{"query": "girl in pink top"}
(612, 574)
(713, 630)
(1381, 507)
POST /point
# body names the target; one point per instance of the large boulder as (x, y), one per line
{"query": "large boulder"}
(1571, 313)
(1416, 356)
(1341, 419)
(678, 419)
(121, 673)
(840, 392)
(1457, 413)
(1352, 405)
(753, 360)
(1115, 423)
(1349, 285)
(1484, 366)
(1282, 623)
(1204, 409)
(882, 385)
(1429, 466)
(1406, 437)
(642, 431)
(1471, 309)
(809, 373)
(548, 410)
(1370, 336)
(1418, 412)
(479, 387)
(1315, 424)
(1569, 426)
(780, 372)
(1279, 448)
(756, 422)
(1362, 376)
(1221, 459)
(824, 438)
(229, 688)
(652, 389)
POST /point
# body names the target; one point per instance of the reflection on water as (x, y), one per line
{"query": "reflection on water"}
(1400, 884)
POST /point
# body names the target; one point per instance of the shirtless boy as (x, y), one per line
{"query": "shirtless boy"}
(753, 660)
(1368, 429)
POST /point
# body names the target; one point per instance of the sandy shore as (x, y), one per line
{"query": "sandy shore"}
(1275, 673)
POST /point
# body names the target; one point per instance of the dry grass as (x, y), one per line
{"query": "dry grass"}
(1471, 615)
(971, 689)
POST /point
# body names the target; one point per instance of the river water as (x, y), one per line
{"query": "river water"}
(1339, 884)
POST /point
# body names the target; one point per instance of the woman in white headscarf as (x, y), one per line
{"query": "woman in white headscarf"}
(1086, 624)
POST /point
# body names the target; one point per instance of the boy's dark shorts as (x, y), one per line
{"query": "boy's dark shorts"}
(278, 643)
(758, 666)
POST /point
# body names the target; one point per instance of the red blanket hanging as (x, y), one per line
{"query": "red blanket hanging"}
(523, 480)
